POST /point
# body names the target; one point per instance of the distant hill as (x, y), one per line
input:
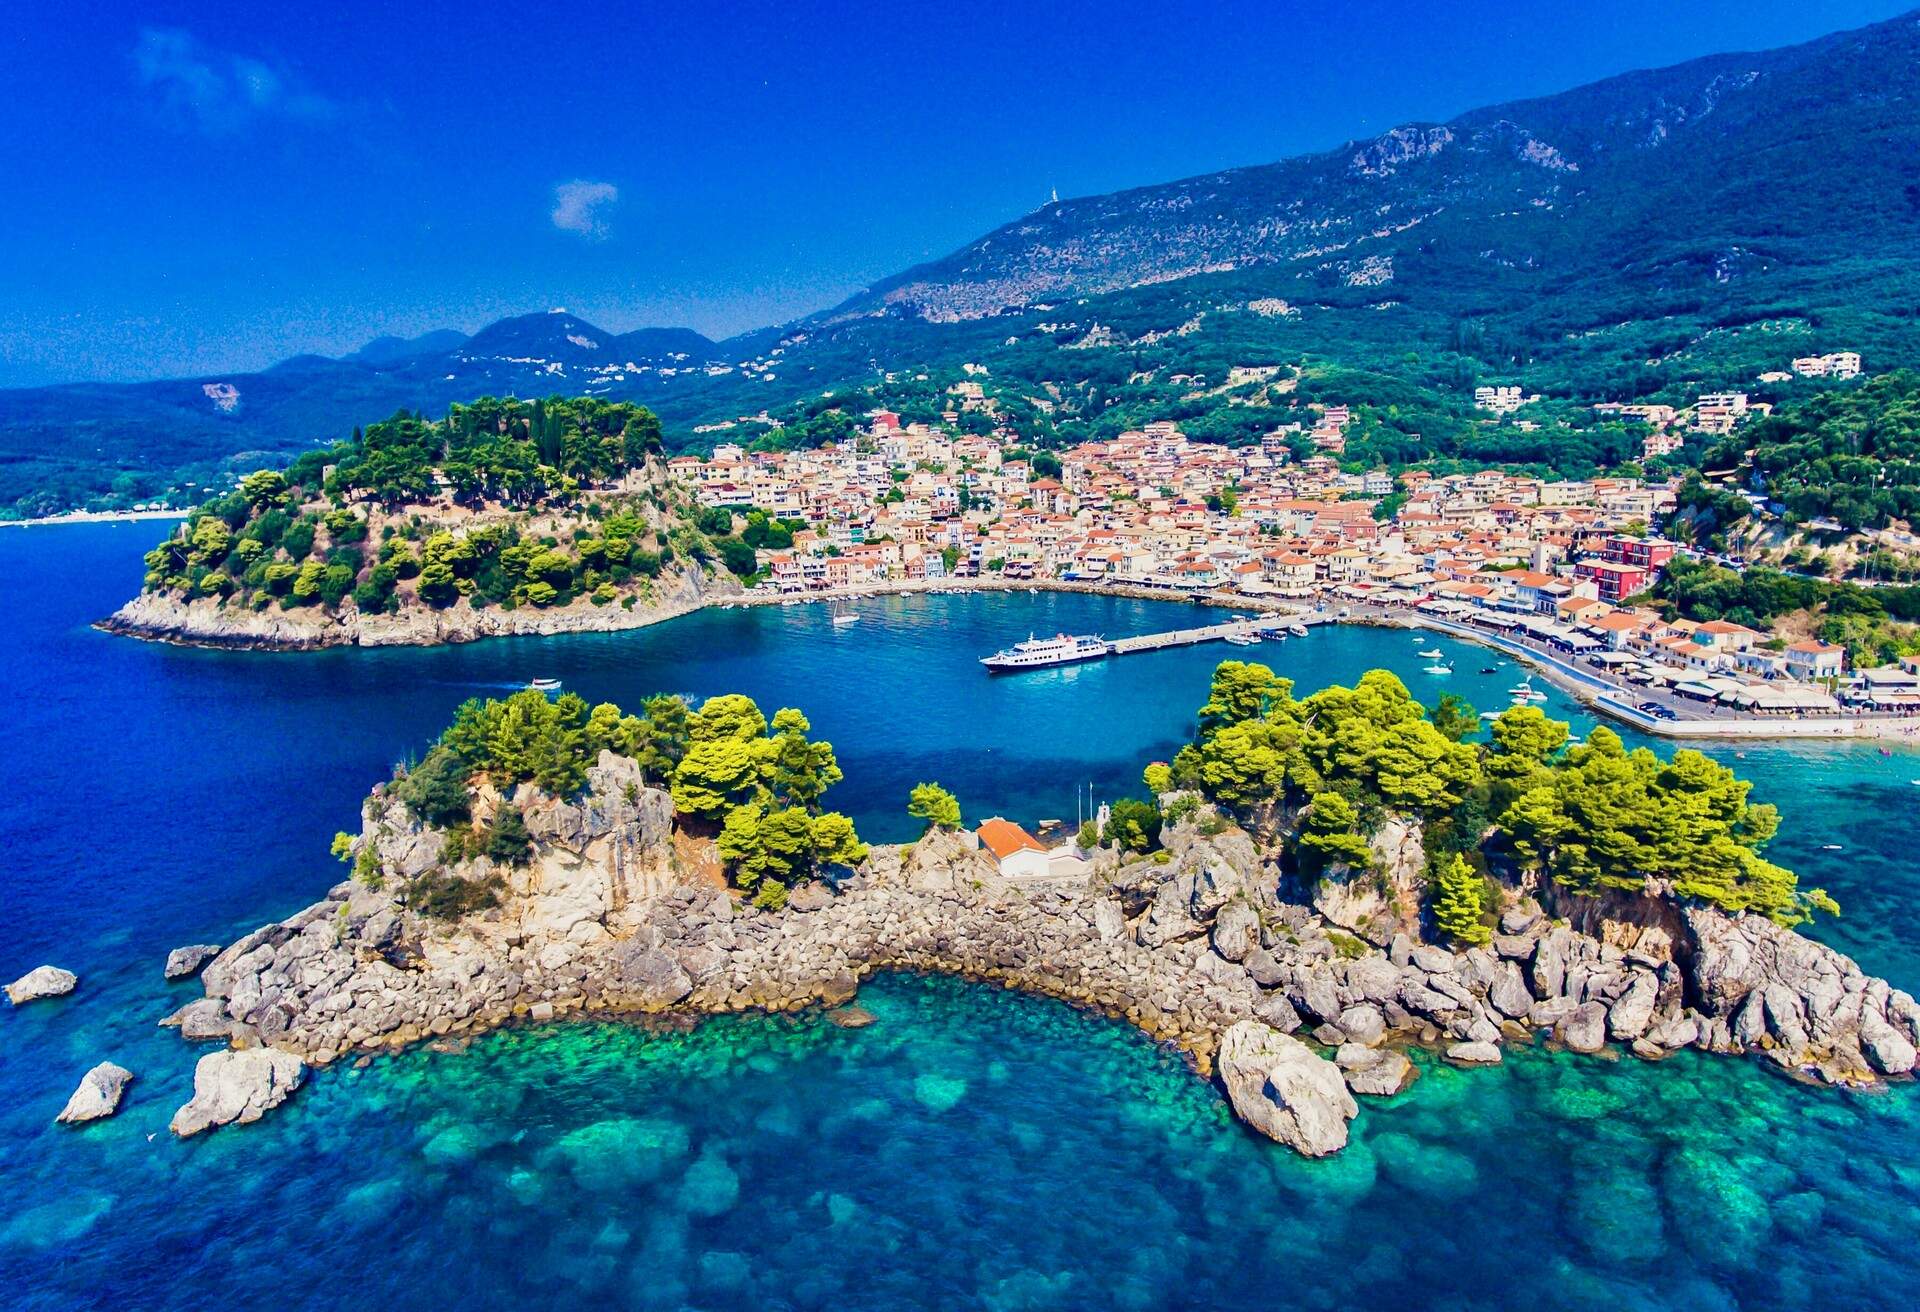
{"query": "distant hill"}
(1645, 235)
(387, 351)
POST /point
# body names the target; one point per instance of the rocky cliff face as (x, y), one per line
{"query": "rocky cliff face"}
(206, 622)
(1194, 946)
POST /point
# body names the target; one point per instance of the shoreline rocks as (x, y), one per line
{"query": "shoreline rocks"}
(185, 963)
(204, 622)
(1191, 946)
(98, 1096)
(1283, 1089)
(42, 982)
(238, 1087)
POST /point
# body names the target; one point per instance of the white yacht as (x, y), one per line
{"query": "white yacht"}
(1037, 653)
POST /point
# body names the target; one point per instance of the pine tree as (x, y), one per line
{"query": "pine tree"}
(1456, 903)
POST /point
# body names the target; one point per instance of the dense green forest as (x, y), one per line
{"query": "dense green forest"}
(1851, 454)
(356, 519)
(1591, 816)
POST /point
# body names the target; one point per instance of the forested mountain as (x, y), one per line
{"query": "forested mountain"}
(1642, 237)
(1724, 168)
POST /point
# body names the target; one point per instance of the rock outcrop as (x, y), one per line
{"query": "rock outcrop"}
(42, 982)
(185, 963)
(234, 1088)
(1282, 1088)
(98, 1096)
(615, 914)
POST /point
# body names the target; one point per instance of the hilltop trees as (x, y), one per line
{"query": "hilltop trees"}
(1329, 768)
(1609, 818)
(764, 791)
(759, 784)
(293, 536)
(935, 805)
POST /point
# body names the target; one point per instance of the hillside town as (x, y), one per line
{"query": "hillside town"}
(1559, 567)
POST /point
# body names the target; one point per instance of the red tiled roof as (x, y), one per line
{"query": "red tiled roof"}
(1003, 838)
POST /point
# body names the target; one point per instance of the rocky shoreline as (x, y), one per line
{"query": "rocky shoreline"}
(1203, 946)
(203, 622)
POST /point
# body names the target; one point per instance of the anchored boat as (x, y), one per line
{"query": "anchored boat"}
(1038, 653)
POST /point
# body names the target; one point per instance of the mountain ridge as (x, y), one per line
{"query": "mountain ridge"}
(1613, 240)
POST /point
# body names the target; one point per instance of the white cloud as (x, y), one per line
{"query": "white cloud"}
(217, 90)
(579, 206)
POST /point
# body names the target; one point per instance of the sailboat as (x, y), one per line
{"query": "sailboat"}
(842, 618)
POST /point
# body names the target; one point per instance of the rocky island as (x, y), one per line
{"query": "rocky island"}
(505, 517)
(1319, 885)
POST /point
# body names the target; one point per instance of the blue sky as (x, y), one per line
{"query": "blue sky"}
(204, 188)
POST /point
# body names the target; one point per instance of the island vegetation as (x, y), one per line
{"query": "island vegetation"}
(1324, 772)
(751, 784)
(501, 503)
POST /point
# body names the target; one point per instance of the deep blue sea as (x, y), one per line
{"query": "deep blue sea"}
(973, 1149)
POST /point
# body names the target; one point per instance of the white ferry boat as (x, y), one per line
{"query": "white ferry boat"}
(1037, 653)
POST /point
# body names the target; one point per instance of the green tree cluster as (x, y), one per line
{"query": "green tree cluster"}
(256, 545)
(762, 782)
(1591, 817)
(935, 805)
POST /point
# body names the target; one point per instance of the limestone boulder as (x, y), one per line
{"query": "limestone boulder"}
(185, 963)
(650, 976)
(1375, 1072)
(98, 1096)
(1885, 1047)
(1479, 1052)
(236, 1088)
(1585, 1028)
(41, 982)
(1281, 1088)
(1236, 931)
(1632, 1011)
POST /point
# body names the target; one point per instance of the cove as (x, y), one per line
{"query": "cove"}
(970, 1149)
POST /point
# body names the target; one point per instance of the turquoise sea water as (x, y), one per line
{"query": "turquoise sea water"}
(971, 1149)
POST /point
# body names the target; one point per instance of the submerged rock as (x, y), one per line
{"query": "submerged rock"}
(1377, 1072)
(185, 963)
(234, 1088)
(42, 982)
(1282, 1089)
(1477, 1053)
(98, 1096)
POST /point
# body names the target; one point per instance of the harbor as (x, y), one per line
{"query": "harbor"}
(1066, 649)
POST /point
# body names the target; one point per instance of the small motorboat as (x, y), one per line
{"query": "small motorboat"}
(1439, 667)
(1244, 639)
(1297, 630)
(840, 621)
(1491, 715)
(1489, 669)
(1431, 653)
(1831, 847)
(1524, 691)
(544, 685)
